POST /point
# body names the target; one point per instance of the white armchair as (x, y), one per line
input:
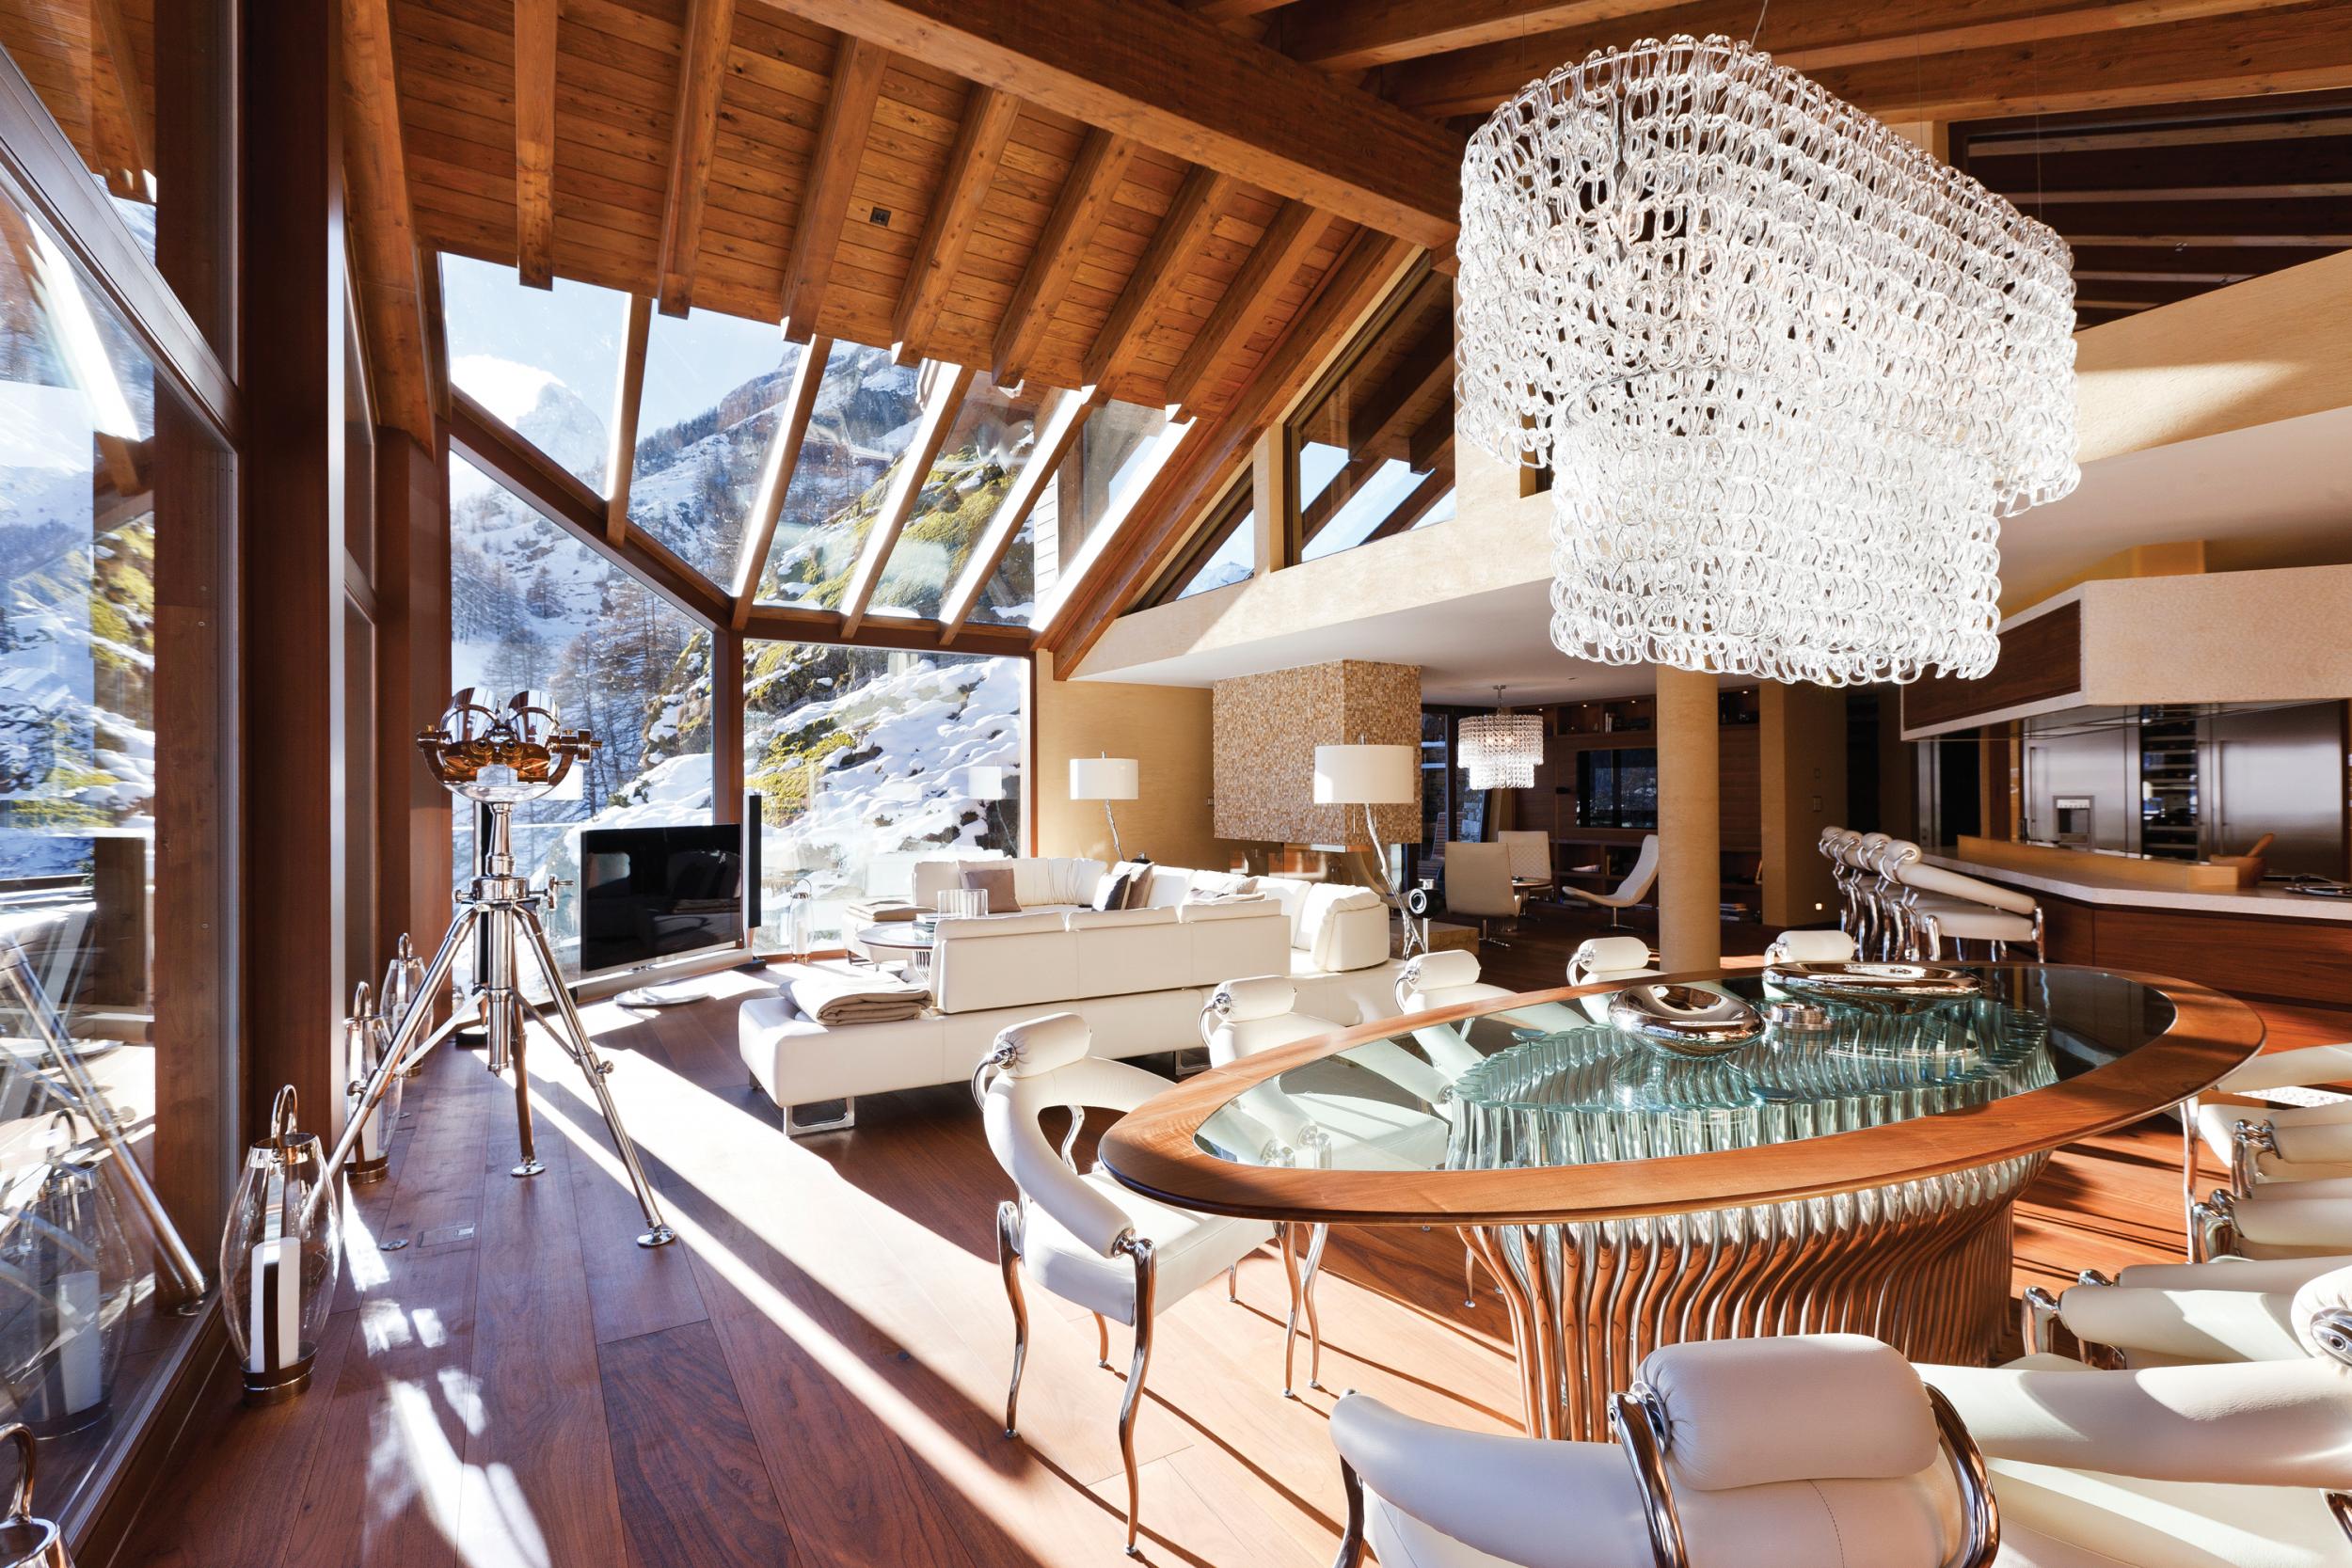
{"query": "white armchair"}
(1795, 1453)
(1478, 885)
(1085, 1237)
(1631, 891)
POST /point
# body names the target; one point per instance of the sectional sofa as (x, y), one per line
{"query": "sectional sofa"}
(1140, 976)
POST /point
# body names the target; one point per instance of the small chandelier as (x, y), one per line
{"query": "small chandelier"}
(1789, 370)
(1501, 748)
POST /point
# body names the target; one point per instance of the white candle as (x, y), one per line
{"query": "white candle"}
(274, 1312)
(81, 1356)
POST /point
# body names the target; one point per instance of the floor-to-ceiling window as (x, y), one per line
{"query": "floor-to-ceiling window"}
(870, 759)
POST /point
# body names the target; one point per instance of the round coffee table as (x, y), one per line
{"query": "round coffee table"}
(900, 941)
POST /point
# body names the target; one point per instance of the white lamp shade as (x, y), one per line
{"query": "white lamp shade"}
(984, 783)
(1103, 778)
(1367, 775)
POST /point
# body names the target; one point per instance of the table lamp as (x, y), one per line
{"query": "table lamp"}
(1368, 776)
(1105, 779)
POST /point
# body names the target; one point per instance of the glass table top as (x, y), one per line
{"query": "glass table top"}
(1749, 1063)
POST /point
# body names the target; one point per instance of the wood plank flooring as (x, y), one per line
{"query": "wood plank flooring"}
(815, 1374)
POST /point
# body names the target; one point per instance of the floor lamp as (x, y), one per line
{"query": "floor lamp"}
(1106, 778)
(1370, 776)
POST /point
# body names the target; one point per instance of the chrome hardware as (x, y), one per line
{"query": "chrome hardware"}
(2036, 1312)
(2248, 1142)
(2213, 1227)
(1004, 1055)
(2331, 1330)
(1139, 1249)
(1887, 988)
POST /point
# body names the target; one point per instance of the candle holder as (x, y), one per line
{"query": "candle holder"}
(70, 1275)
(280, 1256)
(25, 1541)
(403, 989)
(366, 1041)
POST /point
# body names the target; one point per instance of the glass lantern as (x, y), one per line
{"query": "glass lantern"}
(280, 1257)
(70, 1275)
(403, 989)
(26, 1542)
(366, 1041)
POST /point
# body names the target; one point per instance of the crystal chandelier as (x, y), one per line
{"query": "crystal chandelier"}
(1501, 748)
(1787, 369)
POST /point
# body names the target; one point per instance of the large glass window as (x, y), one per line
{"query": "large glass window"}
(871, 759)
(111, 523)
(865, 416)
(532, 607)
(714, 389)
(544, 362)
(1375, 446)
(993, 434)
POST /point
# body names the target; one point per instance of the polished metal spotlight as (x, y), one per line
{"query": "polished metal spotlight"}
(501, 755)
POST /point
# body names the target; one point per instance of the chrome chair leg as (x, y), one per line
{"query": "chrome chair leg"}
(1008, 1260)
(1288, 1235)
(1469, 1275)
(1102, 1340)
(1307, 1276)
(1139, 1248)
(2192, 1159)
(1233, 1276)
(1351, 1538)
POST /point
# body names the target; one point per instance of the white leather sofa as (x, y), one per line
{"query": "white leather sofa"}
(1140, 978)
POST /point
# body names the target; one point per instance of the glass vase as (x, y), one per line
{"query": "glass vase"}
(279, 1255)
(365, 1038)
(70, 1275)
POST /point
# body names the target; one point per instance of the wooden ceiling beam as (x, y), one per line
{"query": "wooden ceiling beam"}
(1170, 505)
(784, 622)
(2012, 143)
(1231, 10)
(906, 486)
(1055, 434)
(832, 171)
(2069, 47)
(535, 142)
(955, 216)
(1217, 524)
(2322, 220)
(1178, 82)
(1351, 34)
(694, 137)
(376, 171)
(628, 395)
(1433, 442)
(2232, 171)
(1175, 246)
(775, 478)
(1425, 367)
(1269, 269)
(1086, 197)
(138, 108)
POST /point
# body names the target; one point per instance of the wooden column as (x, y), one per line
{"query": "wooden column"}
(1270, 482)
(1802, 779)
(1690, 829)
(413, 816)
(726, 724)
(291, 534)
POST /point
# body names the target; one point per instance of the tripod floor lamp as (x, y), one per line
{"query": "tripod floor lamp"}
(1370, 776)
(1105, 779)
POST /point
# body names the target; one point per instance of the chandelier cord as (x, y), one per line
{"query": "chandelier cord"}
(1760, 12)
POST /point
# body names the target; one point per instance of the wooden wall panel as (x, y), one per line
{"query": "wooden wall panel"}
(413, 671)
(2290, 961)
(2039, 659)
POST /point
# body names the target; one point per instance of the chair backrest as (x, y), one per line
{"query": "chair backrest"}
(1245, 1017)
(1043, 1065)
(1956, 884)
(1531, 850)
(1600, 959)
(1638, 880)
(1478, 880)
(1811, 947)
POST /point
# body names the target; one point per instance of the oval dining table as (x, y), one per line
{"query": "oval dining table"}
(1854, 1168)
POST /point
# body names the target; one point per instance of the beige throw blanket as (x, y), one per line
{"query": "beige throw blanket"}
(865, 998)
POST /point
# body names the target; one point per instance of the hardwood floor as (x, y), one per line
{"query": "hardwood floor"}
(816, 1373)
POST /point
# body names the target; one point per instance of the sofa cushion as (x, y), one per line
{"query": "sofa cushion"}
(997, 882)
(1248, 907)
(1324, 904)
(1290, 893)
(1096, 920)
(1111, 893)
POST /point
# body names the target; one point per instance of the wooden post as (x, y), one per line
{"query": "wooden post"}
(1690, 826)
(412, 683)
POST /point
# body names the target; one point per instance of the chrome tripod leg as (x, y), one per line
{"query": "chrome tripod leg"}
(16, 972)
(584, 1052)
(528, 1165)
(404, 1039)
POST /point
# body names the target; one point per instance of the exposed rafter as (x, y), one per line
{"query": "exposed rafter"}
(138, 114)
(825, 194)
(1144, 70)
(375, 170)
(906, 486)
(2058, 48)
(1175, 246)
(1172, 501)
(694, 137)
(1086, 197)
(1055, 433)
(628, 394)
(1246, 301)
(535, 141)
(972, 163)
(788, 623)
(1351, 35)
(776, 477)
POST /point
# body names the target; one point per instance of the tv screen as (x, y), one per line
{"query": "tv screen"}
(654, 892)
(1617, 788)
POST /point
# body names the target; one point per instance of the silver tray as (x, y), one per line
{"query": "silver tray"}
(1885, 988)
(1686, 1019)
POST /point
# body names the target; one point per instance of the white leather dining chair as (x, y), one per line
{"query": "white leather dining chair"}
(2185, 1314)
(1939, 905)
(1798, 1453)
(1530, 853)
(1083, 1236)
(1811, 947)
(1478, 886)
(1631, 891)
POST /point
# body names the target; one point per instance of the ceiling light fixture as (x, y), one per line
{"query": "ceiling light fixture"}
(1787, 369)
(1501, 748)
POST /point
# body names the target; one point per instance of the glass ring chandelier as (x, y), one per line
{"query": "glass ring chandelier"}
(1501, 748)
(1788, 371)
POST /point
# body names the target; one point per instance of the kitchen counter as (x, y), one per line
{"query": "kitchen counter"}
(2086, 882)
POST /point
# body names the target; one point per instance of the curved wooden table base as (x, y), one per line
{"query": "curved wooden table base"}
(1901, 1231)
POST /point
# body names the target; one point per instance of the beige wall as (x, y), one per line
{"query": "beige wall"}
(1165, 728)
(1267, 728)
(1802, 737)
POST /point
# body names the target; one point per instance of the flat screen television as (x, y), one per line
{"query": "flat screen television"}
(649, 894)
(1617, 788)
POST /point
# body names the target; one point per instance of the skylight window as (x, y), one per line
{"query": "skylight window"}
(544, 362)
(993, 436)
(714, 389)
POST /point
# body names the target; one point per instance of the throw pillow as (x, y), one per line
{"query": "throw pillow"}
(996, 881)
(1137, 878)
(1112, 892)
